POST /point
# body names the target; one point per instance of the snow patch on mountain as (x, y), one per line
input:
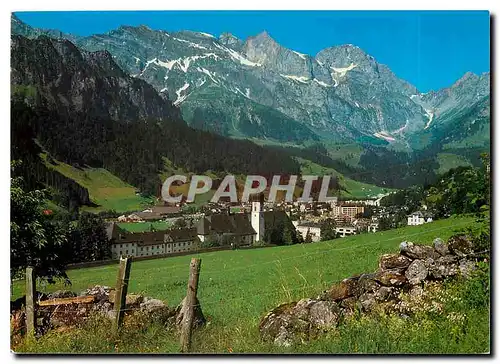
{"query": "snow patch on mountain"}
(301, 55)
(321, 83)
(384, 135)
(342, 71)
(181, 98)
(400, 130)
(208, 73)
(191, 44)
(300, 79)
(237, 56)
(430, 115)
(207, 35)
(183, 63)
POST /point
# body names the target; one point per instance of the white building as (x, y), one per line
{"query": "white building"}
(344, 231)
(419, 218)
(305, 228)
(257, 220)
(151, 243)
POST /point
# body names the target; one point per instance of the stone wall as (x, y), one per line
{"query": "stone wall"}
(398, 274)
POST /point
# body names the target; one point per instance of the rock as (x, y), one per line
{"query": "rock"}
(460, 245)
(442, 267)
(101, 293)
(390, 278)
(133, 300)
(384, 294)
(284, 338)
(301, 309)
(151, 305)
(348, 305)
(274, 325)
(466, 267)
(416, 291)
(391, 261)
(367, 301)
(441, 247)
(61, 294)
(295, 322)
(416, 251)
(416, 272)
(339, 291)
(367, 283)
(324, 315)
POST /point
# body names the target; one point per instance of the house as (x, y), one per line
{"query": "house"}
(350, 210)
(158, 212)
(345, 230)
(419, 218)
(140, 244)
(180, 240)
(304, 228)
(243, 228)
(238, 229)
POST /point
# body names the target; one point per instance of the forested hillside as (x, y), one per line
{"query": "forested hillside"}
(46, 107)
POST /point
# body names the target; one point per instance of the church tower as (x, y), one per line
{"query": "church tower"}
(257, 218)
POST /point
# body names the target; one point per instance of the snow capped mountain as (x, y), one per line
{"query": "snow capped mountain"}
(257, 88)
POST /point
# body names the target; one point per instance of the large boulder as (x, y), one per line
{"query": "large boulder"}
(394, 261)
(417, 251)
(416, 272)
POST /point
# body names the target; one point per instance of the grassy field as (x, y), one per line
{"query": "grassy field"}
(105, 189)
(238, 287)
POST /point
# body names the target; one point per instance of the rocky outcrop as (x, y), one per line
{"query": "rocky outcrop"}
(398, 275)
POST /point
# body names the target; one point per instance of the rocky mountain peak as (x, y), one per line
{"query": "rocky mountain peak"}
(262, 48)
(231, 41)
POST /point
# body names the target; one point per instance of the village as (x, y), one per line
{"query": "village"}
(170, 229)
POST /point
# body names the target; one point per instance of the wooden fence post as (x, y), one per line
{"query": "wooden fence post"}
(30, 302)
(192, 289)
(121, 291)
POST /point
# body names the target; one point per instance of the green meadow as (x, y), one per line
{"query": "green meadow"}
(238, 287)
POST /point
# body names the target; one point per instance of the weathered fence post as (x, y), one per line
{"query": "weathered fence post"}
(192, 289)
(121, 291)
(30, 302)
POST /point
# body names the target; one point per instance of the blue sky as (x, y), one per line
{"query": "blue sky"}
(429, 49)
